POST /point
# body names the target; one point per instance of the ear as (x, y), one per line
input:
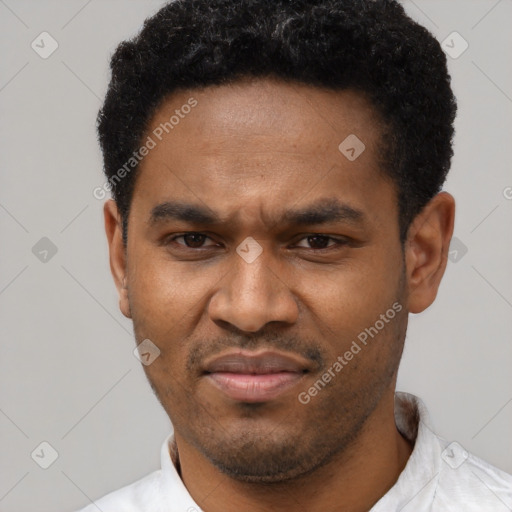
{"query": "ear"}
(426, 250)
(114, 231)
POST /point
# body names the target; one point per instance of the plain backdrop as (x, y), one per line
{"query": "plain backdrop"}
(68, 376)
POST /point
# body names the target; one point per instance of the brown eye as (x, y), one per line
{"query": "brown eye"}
(319, 242)
(192, 240)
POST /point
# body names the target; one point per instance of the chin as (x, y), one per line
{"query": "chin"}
(261, 461)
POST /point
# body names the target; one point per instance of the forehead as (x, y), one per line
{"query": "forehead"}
(257, 144)
(272, 112)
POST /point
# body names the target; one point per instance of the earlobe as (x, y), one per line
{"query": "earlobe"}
(426, 250)
(117, 254)
(124, 303)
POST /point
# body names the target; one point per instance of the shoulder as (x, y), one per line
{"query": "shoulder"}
(465, 478)
(134, 497)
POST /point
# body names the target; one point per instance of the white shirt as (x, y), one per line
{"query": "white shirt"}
(438, 477)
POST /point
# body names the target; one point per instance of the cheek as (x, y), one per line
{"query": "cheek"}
(168, 298)
(166, 291)
(352, 297)
(167, 302)
(164, 302)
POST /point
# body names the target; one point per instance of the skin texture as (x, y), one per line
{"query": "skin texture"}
(249, 152)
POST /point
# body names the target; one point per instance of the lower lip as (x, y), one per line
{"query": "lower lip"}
(254, 388)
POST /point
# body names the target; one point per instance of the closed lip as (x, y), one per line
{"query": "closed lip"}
(256, 363)
(252, 377)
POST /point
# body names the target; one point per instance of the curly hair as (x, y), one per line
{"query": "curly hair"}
(371, 46)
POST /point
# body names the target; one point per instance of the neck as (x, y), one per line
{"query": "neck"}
(353, 481)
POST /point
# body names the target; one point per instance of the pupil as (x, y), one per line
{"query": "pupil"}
(323, 241)
(197, 240)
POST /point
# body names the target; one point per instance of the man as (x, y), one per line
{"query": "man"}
(276, 170)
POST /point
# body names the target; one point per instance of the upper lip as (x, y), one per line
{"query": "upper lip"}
(247, 362)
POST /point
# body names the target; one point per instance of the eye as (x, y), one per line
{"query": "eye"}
(319, 242)
(196, 240)
(192, 240)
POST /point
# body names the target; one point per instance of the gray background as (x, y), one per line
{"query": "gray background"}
(67, 372)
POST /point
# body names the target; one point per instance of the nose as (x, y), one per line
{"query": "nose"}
(252, 295)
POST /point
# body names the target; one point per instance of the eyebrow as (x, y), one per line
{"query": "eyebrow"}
(321, 211)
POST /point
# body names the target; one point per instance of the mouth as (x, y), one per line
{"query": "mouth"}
(255, 377)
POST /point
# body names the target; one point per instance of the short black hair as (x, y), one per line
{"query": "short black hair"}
(368, 45)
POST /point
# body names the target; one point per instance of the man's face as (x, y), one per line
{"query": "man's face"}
(256, 157)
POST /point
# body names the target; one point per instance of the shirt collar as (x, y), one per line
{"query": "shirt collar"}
(415, 488)
(416, 484)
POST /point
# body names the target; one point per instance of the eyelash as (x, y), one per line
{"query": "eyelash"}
(339, 242)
